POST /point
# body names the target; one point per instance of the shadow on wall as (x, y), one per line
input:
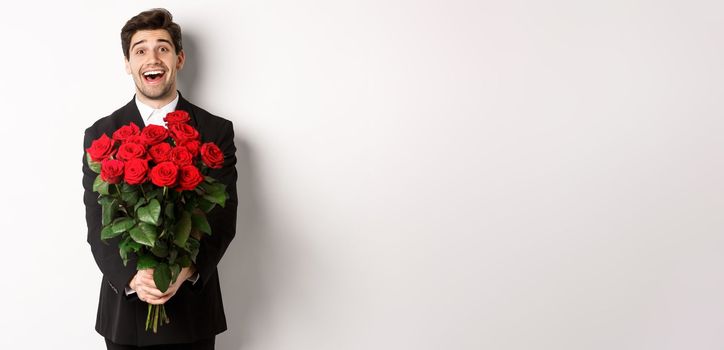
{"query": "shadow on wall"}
(188, 78)
(243, 268)
(240, 270)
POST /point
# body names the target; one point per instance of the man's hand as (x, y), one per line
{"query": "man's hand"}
(146, 289)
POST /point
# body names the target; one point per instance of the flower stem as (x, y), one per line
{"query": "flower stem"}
(144, 192)
(155, 320)
(148, 316)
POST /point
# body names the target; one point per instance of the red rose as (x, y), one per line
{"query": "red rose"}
(135, 139)
(164, 174)
(128, 151)
(136, 170)
(154, 134)
(160, 152)
(181, 156)
(101, 148)
(183, 132)
(125, 132)
(193, 146)
(111, 171)
(189, 177)
(212, 155)
(176, 117)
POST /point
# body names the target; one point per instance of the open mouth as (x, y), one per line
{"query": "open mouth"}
(153, 76)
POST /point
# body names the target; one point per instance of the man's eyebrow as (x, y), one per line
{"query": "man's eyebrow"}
(144, 40)
(137, 42)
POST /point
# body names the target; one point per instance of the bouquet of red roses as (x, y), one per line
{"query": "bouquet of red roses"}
(155, 196)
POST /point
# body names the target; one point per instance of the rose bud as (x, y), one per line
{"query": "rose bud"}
(101, 148)
(111, 171)
(189, 177)
(128, 151)
(135, 172)
(126, 131)
(160, 152)
(154, 134)
(211, 155)
(181, 156)
(183, 132)
(164, 174)
(176, 117)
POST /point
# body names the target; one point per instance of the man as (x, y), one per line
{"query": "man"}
(151, 43)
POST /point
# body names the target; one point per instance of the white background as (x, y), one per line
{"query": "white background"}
(413, 174)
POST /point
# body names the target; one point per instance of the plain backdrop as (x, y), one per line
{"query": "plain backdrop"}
(422, 174)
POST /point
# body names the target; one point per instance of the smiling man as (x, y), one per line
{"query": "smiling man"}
(153, 51)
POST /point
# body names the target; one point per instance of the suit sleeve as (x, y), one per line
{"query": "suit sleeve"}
(106, 254)
(221, 220)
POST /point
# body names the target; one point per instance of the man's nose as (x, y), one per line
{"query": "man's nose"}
(153, 57)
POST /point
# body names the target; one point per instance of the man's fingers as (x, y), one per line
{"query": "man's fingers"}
(154, 301)
(158, 301)
(154, 292)
(148, 280)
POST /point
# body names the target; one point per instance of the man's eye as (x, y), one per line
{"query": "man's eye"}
(163, 49)
(139, 52)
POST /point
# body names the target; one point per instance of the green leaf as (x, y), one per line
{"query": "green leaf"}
(126, 188)
(95, 166)
(157, 193)
(124, 249)
(141, 201)
(118, 226)
(184, 261)
(191, 203)
(109, 208)
(206, 205)
(144, 234)
(219, 187)
(121, 225)
(162, 277)
(133, 246)
(169, 211)
(107, 232)
(172, 255)
(160, 249)
(150, 213)
(175, 270)
(209, 179)
(146, 262)
(131, 198)
(218, 198)
(206, 187)
(100, 186)
(200, 222)
(126, 246)
(182, 229)
(192, 246)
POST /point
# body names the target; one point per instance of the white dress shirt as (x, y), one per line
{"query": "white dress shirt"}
(155, 116)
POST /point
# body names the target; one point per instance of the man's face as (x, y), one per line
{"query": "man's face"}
(153, 63)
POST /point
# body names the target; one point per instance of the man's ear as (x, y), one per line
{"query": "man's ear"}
(180, 60)
(127, 64)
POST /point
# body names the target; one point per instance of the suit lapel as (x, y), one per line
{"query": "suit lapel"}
(185, 105)
(130, 113)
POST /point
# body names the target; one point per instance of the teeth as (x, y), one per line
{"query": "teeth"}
(153, 72)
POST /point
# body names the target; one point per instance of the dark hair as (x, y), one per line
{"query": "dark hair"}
(149, 20)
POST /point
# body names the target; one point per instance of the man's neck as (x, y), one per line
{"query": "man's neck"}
(156, 103)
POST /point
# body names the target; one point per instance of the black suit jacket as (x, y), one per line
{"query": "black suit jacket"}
(196, 311)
